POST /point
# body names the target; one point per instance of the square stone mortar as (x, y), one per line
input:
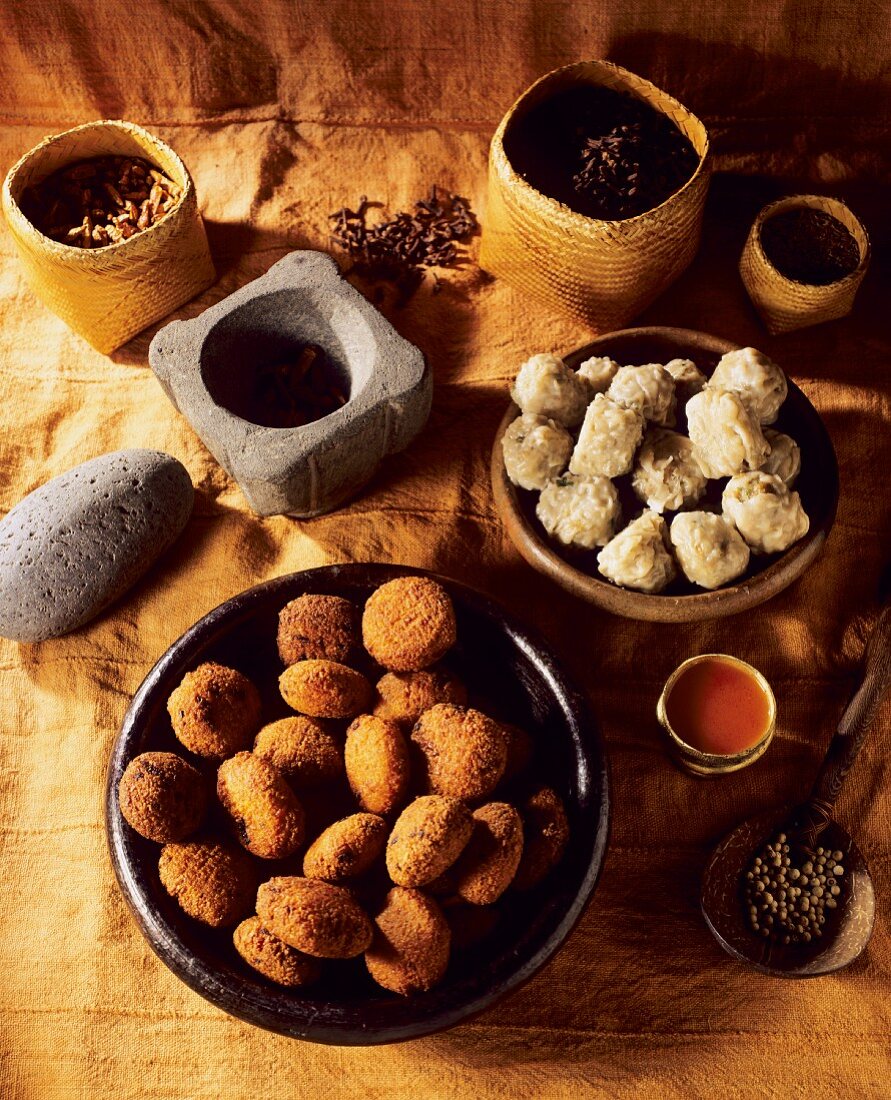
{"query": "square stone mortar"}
(208, 366)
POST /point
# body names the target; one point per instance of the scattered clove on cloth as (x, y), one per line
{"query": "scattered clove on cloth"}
(399, 249)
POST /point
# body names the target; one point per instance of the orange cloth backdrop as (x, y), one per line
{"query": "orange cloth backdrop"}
(284, 112)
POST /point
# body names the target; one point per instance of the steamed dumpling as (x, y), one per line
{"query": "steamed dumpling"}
(598, 372)
(758, 381)
(666, 475)
(727, 438)
(688, 378)
(784, 459)
(767, 515)
(609, 437)
(546, 386)
(536, 450)
(708, 548)
(638, 556)
(579, 511)
(648, 390)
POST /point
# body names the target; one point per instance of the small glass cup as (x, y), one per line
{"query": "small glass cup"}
(711, 764)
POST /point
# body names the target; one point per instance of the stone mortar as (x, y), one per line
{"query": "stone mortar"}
(207, 364)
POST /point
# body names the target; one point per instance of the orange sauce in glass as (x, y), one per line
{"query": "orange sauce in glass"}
(718, 707)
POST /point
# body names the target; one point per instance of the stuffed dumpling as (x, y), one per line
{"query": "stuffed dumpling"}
(666, 475)
(688, 378)
(638, 556)
(546, 386)
(598, 372)
(608, 439)
(756, 378)
(766, 514)
(536, 450)
(708, 548)
(784, 459)
(727, 437)
(648, 390)
(579, 511)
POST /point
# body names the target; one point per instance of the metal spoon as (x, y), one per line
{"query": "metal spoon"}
(847, 933)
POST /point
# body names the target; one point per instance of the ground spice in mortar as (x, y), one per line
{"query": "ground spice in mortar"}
(603, 153)
(809, 246)
(101, 201)
(398, 249)
(296, 390)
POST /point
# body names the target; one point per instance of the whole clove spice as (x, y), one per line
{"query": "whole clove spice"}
(296, 389)
(398, 249)
(809, 246)
(603, 153)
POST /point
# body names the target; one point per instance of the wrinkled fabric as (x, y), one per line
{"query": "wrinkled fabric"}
(284, 112)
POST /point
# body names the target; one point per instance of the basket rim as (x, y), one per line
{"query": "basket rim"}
(501, 162)
(71, 253)
(810, 202)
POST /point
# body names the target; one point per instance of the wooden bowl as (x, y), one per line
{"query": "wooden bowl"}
(681, 601)
(510, 672)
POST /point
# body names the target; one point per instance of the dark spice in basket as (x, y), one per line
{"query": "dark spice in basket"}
(296, 391)
(101, 201)
(809, 246)
(603, 153)
(398, 249)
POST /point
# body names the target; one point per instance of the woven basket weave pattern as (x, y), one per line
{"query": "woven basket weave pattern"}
(785, 305)
(109, 294)
(602, 272)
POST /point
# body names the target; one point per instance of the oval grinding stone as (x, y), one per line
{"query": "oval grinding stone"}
(78, 542)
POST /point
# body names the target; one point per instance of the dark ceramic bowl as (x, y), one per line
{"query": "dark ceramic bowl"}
(508, 670)
(681, 601)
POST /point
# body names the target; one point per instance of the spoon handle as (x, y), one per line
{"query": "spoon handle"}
(858, 715)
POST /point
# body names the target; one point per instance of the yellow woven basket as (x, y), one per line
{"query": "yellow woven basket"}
(109, 294)
(784, 304)
(602, 272)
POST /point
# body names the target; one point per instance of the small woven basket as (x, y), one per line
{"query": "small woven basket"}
(109, 294)
(783, 303)
(602, 272)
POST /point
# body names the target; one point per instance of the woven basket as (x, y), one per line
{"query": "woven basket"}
(109, 294)
(784, 304)
(602, 272)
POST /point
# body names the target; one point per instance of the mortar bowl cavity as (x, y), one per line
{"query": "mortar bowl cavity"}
(240, 354)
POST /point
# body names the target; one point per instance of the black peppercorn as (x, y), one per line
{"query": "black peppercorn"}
(788, 902)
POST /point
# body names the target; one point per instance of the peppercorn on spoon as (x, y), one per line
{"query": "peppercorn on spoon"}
(841, 932)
